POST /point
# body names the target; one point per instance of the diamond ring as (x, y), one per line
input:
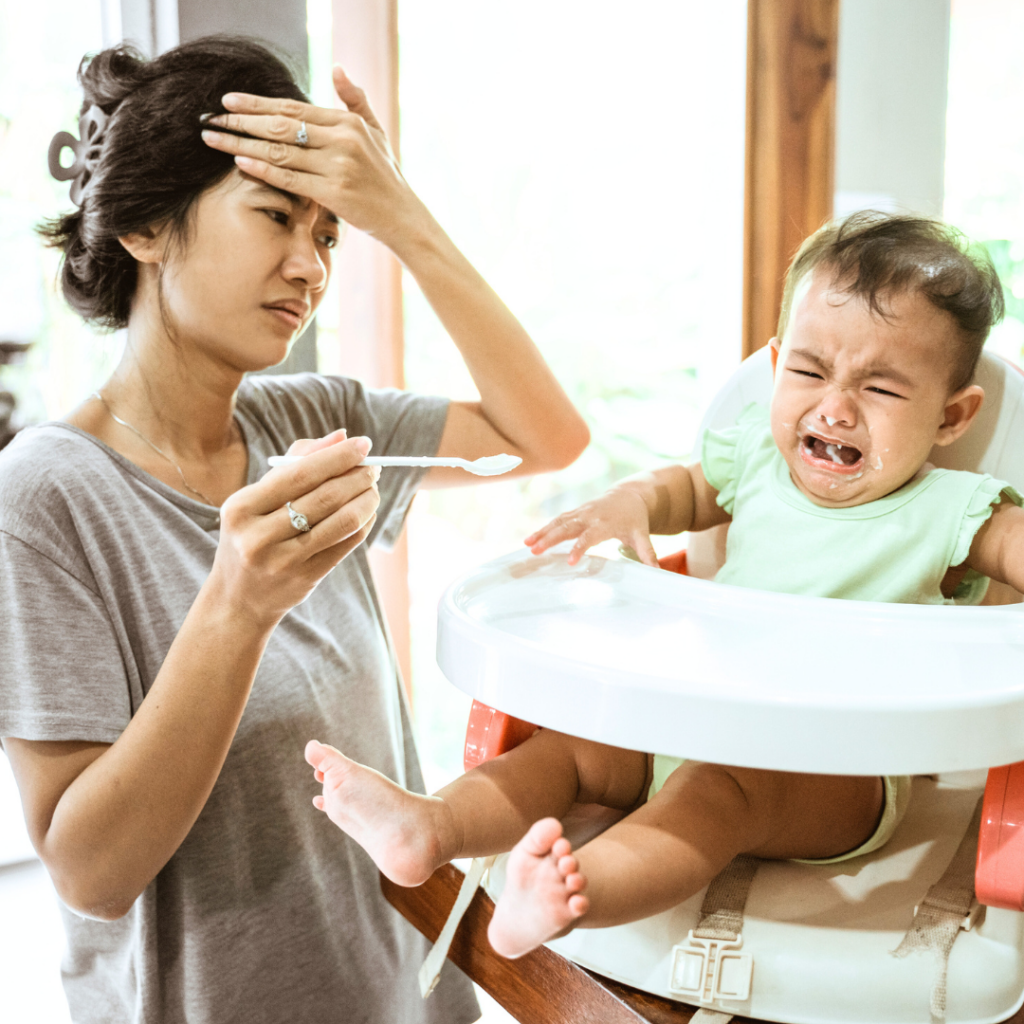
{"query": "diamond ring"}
(301, 136)
(298, 520)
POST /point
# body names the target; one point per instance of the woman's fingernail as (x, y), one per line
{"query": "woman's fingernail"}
(230, 97)
(363, 445)
(205, 118)
(209, 136)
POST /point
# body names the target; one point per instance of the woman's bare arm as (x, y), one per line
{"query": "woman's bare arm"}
(105, 818)
(523, 410)
(348, 168)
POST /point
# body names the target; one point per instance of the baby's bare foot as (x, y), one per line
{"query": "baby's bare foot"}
(407, 835)
(542, 895)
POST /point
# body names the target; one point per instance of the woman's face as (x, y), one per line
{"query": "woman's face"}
(250, 272)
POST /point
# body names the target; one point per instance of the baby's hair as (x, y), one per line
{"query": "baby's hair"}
(877, 255)
(153, 164)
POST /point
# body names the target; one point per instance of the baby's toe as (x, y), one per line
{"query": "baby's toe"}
(542, 836)
(567, 865)
(578, 905)
(561, 847)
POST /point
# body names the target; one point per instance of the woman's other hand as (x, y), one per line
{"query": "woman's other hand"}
(621, 513)
(265, 565)
(346, 165)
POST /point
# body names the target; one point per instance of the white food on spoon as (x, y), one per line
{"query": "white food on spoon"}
(489, 465)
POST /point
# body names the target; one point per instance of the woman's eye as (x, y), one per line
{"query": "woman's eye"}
(329, 241)
(277, 215)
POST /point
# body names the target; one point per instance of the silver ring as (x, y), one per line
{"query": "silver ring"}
(299, 521)
(301, 136)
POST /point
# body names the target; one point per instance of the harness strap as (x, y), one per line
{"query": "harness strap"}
(708, 966)
(706, 1016)
(721, 913)
(942, 913)
(430, 972)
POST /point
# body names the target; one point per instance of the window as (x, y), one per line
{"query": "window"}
(589, 161)
(985, 147)
(40, 47)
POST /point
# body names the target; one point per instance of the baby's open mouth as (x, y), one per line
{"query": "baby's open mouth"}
(831, 451)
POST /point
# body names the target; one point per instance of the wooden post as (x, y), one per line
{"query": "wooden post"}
(791, 102)
(370, 327)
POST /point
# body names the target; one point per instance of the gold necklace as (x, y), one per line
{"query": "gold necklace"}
(162, 454)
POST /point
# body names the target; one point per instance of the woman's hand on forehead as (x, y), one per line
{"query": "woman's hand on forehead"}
(346, 164)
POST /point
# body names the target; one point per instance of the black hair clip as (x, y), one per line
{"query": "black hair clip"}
(92, 126)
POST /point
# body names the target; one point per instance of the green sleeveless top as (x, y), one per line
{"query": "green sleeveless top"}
(894, 549)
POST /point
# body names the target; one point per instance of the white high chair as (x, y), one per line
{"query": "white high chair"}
(618, 652)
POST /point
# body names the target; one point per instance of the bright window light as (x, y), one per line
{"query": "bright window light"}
(588, 158)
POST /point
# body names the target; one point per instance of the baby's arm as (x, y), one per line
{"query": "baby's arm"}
(668, 500)
(998, 547)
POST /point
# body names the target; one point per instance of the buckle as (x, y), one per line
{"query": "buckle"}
(710, 969)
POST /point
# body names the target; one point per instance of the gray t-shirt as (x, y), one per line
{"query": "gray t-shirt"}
(267, 913)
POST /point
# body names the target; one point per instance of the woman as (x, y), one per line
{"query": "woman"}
(177, 621)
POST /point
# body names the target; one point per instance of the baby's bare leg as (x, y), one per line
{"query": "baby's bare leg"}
(673, 846)
(496, 803)
(484, 811)
(707, 814)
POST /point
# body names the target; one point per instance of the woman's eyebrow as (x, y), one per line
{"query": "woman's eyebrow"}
(296, 200)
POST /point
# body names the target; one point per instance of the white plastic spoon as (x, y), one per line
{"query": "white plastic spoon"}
(490, 465)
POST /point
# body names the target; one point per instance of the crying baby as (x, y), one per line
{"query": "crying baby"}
(828, 493)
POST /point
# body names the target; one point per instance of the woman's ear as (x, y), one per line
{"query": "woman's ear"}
(147, 246)
(774, 344)
(961, 408)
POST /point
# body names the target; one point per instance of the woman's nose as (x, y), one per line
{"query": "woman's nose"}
(304, 263)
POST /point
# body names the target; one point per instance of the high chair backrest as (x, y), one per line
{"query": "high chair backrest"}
(994, 444)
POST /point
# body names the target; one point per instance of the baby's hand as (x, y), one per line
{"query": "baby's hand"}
(621, 513)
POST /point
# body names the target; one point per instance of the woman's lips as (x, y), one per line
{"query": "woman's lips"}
(290, 320)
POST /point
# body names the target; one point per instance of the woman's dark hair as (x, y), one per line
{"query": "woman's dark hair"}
(879, 255)
(153, 164)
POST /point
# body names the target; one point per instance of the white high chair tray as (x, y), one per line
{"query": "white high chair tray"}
(650, 660)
